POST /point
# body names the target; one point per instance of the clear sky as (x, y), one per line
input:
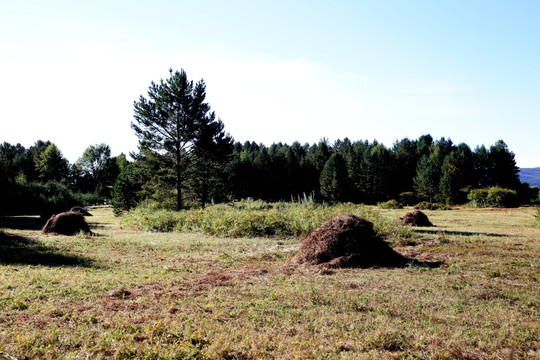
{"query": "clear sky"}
(276, 70)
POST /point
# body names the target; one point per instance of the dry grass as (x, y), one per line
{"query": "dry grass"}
(128, 294)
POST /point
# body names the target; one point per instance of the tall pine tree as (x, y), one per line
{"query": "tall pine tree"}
(334, 180)
(171, 123)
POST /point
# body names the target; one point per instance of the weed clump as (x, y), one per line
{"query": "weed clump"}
(390, 204)
(415, 218)
(426, 205)
(493, 197)
(347, 241)
(252, 219)
(536, 217)
(66, 223)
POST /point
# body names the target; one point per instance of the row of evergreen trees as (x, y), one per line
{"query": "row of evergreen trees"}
(412, 170)
(360, 171)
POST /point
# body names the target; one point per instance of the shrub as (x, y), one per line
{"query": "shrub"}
(56, 197)
(407, 198)
(390, 204)
(535, 199)
(126, 192)
(88, 199)
(282, 220)
(478, 198)
(495, 196)
(426, 205)
(502, 197)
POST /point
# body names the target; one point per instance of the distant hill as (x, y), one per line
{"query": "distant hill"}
(530, 175)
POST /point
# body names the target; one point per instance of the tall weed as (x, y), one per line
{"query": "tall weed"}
(256, 218)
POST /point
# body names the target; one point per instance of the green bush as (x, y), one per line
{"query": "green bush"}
(283, 220)
(426, 205)
(126, 191)
(503, 197)
(88, 199)
(478, 198)
(535, 195)
(407, 198)
(493, 197)
(390, 204)
(34, 197)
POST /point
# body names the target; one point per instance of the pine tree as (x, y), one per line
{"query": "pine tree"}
(51, 165)
(168, 124)
(457, 174)
(211, 151)
(428, 176)
(334, 179)
(504, 171)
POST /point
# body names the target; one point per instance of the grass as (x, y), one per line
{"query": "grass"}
(256, 218)
(125, 293)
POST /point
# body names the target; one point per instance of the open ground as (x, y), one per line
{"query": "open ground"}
(124, 293)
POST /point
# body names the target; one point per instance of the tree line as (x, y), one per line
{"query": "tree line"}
(368, 172)
(186, 159)
(39, 179)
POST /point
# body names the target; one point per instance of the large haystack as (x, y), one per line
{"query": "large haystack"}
(415, 218)
(347, 241)
(66, 223)
(80, 210)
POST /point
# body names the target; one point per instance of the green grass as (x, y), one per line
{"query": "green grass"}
(257, 218)
(126, 293)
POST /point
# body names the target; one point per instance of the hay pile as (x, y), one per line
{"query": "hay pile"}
(347, 241)
(66, 223)
(80, 210)
(415, 218)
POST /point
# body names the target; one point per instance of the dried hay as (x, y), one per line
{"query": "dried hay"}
(415, 218)
(347, 241)
(66, 223)
(80, 210)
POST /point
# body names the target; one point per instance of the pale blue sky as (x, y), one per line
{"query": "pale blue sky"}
(276, 71)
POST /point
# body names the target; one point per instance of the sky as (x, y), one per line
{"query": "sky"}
(276, 71)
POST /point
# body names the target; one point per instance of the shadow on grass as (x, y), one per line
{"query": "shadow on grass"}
(453, 232)
(21, 222)
(18, 250)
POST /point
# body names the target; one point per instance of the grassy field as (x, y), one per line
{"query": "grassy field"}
(124, 293)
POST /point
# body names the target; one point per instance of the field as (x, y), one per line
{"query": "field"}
(124, 293)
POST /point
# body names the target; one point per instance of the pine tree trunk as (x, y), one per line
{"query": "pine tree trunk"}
(178, 179)
(204, 195)
(178, 191)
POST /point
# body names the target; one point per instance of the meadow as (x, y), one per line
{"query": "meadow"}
(199, 290)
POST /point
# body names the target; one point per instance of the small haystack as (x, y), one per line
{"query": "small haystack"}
(80, 210)
(415, 218)
(347, 241)
(66, 223)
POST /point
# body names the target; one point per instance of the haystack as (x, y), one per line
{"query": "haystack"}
(415, 218)
(80, 210)
(66, 223)
(347, 241)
